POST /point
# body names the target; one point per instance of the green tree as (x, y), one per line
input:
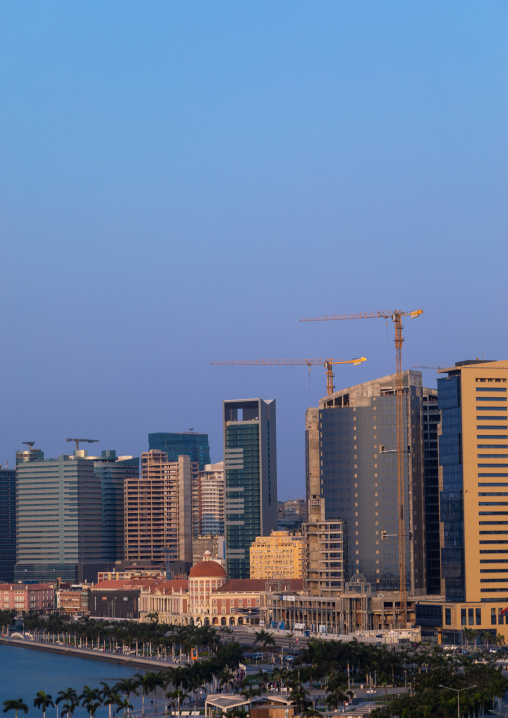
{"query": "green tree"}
(109, 696)
(300, 699)
(127, 686)
(123, 705)
(176, 697)
(336, 697)
(15, 704)
(70, 696)
(145, 682)
(264, 638)
(249, 692)
(43, 701)
(158, 680)
(91, 700)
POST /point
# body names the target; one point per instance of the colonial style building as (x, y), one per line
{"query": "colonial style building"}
(208, 597)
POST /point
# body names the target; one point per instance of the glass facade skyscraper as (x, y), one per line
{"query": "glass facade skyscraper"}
(250, 465)
(67, 515)
(7, 524)
(182, 444)
(112, 472)
(431, 422)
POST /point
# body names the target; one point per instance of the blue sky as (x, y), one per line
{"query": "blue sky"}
(181, 182)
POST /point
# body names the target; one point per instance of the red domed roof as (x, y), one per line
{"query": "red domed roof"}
(207, 568)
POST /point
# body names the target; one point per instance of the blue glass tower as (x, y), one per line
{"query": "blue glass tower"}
(250, 464)
(183, 444)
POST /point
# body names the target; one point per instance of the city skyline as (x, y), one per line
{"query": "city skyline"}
(181, 184)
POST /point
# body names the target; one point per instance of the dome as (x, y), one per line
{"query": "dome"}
(207, 568)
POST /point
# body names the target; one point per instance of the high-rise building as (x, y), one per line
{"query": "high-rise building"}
(351, 462)
(58, 518)
(473, 465)
(431, 425)
(158, 510)
(250, 464)
(62, 506)
(326, 552)
(29, 455)
(291, 514)
(210, 500)
(473, 455)
(7, 524)
(279, 555)
(189, 443)
(113, 471)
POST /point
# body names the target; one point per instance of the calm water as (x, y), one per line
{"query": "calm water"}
(23, 672)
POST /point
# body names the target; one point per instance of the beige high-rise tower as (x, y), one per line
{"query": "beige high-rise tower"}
(158, 510)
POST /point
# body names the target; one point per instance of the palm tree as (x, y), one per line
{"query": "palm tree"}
(145, 682)
(335, 696)
(109, 696)
(265, 638)
(299, 698)
(90, 699)
(249, 692)
(71, 699)
(123, 705)
(225, 678)
(15, 704)
(43, 701)
(177, 696)
(128, 686)
(158, 680)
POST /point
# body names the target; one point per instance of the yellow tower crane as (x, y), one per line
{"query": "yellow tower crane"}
(327, 363)
(396, 316)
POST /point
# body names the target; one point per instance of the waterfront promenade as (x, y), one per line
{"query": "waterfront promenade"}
(107, 656)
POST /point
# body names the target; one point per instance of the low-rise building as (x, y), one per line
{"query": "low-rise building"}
(27, 598)
(166, 599)
(117, 599)
(279, 555)
(208, 597)
(358, 608)
(73, 601)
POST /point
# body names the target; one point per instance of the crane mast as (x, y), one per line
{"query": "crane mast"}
(396, 317)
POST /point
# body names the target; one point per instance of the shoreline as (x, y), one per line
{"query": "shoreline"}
(104, 656)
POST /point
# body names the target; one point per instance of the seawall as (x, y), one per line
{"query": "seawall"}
(146, 663)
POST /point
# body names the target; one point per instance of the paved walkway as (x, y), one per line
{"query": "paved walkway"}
(107, 656)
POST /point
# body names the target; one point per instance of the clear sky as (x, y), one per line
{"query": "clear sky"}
(181, 182)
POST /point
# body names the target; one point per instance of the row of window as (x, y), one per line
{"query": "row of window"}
(490, 436)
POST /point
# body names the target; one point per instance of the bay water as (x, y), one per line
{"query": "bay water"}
(24, 672)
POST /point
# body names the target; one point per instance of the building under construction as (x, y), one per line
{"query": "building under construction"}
(351, 462)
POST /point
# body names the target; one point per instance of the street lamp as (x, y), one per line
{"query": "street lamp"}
(458, 691)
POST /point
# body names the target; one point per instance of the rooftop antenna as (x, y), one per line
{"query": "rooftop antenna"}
(29, 443)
